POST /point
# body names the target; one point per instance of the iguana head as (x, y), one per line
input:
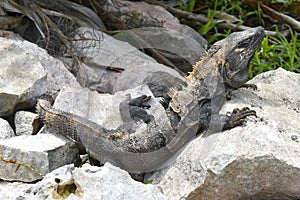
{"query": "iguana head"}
(238, 50)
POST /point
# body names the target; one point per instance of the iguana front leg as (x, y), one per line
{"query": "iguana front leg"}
(219, 122)
(238, 117)
(134, 109)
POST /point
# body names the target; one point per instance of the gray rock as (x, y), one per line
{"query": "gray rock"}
(106, 54)
(100, 108)
(167, 40)
(110, 182)
(10, 35)
(57, 74)
(258, 161)
(39, 155)
(188, 32)
(26, 123)
(12, 190)
(46, 189)
(91, 182)
(142, 14)
(5, 130)
(22, 78)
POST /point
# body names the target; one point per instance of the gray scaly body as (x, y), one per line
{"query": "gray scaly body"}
(142, 144)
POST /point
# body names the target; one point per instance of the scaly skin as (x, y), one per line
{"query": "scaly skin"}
(142, 144)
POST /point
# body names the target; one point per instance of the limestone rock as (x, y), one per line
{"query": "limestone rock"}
(12, 190)
(10, 35)
(110, 182)
(100, 108)
(142, 15)
(57, 74)
(117, 69)
(258, 161)
(22, 78)
(5, 130)
(39, 155)
(91, 182)
(26, 123)
(46, 189)
(171, 42)
(148, 15)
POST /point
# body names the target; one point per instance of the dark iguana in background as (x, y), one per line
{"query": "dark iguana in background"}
(144, 143)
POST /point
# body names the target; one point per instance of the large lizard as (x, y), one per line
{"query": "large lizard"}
(144, 144)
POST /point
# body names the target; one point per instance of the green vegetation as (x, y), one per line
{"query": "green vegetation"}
(276, 51)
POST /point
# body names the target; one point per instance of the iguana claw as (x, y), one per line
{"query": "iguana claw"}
(140, 101)
(238, 116)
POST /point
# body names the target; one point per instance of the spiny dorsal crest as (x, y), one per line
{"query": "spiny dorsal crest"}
(172, 92)
(158, 111)
(198, 64)
(195, 69)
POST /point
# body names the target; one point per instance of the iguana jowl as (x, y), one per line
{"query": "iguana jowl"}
(142, 144)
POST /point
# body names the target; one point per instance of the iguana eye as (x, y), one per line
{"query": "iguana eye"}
(227, 65)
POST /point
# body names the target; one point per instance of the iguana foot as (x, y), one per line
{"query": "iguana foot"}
(238, 117)
(137, 111)
(140, 101)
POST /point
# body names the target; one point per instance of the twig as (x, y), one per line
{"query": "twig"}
(204, 19)
(61, 35)
(276, 15)
(19, 164)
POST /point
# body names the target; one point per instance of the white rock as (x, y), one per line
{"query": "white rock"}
(26, 123)
(258, 161)
(12, 190)
(57, 74)
(110, 182)
(100, 108)
(5, 130)
(40, 153)
(22, 78)
(91, 182)
(46, 189)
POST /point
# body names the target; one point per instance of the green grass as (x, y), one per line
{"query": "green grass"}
(275, 52)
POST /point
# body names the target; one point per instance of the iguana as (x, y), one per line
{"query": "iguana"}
(143, 143)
